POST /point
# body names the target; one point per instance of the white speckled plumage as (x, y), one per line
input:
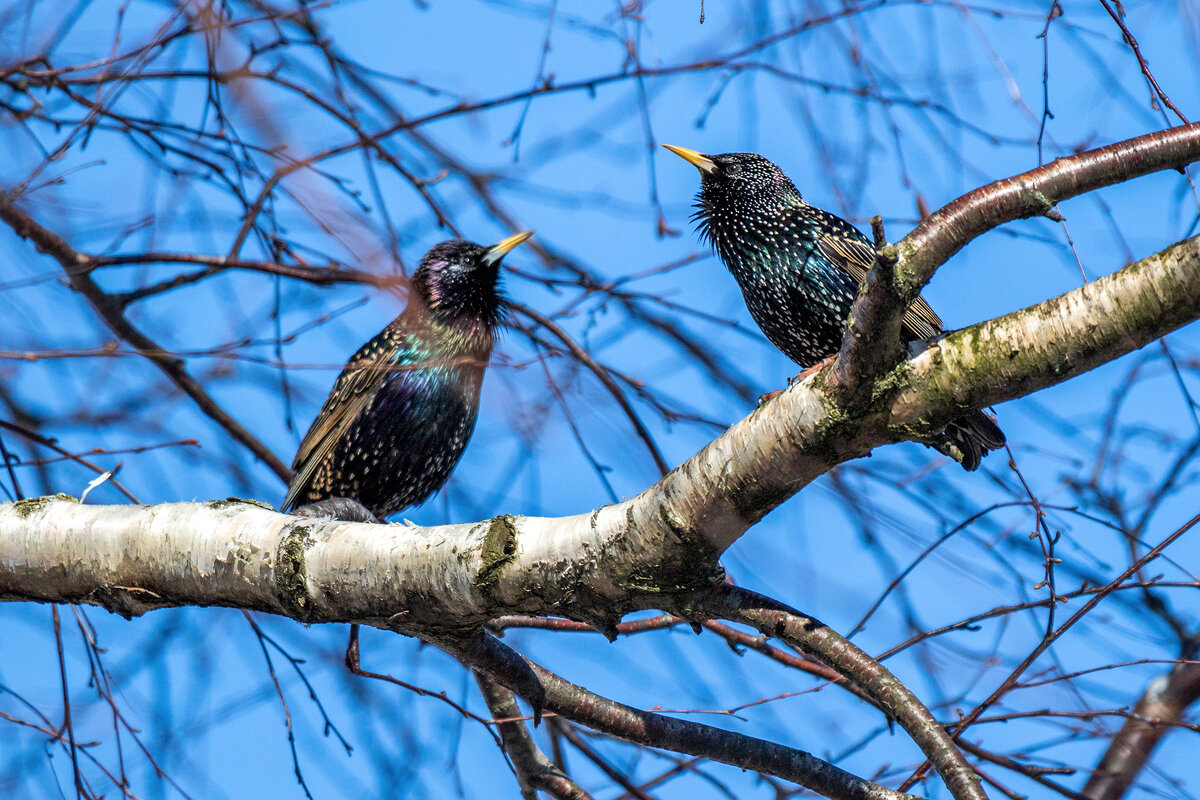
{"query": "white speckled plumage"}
(403, 409)
(800, 267)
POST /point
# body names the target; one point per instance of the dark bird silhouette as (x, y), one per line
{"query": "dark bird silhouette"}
(400, 414)
(800, 268)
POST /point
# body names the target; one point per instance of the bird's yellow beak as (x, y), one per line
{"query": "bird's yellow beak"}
(697, 160)
(500, 248)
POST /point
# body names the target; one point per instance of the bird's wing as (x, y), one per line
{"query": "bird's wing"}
(353, 391)
(849, 249)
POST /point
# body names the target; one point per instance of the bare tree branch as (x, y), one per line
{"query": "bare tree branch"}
(1160, 706)
(544, 689)
(902, 270)
(534, 770)
(78, 266)
(812, 636)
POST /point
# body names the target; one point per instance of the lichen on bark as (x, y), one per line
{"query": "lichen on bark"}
(499, 548)
(291, 573)
(32, 505)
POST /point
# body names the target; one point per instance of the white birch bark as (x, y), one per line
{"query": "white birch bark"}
(662, 544)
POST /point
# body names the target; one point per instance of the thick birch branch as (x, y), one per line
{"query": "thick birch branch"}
(903, 269)
(130, 559)
(1019, 353)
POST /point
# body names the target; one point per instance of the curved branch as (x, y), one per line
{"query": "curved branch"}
(814, 637)
(534, 770)
(1033, 194)
(903, 269)
(544, 689)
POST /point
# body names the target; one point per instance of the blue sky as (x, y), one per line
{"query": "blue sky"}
(953, 99)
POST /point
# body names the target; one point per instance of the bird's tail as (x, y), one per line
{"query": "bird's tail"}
(969, 438)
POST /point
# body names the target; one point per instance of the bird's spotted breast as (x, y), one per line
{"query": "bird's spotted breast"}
(401, 412)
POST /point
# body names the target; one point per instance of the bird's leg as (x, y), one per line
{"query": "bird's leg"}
(766, 396)
(352, 662)
(807, 372)
(801, 376)
(345, 509)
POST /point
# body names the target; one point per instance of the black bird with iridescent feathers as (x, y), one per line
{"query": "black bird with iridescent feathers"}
(800, 268)
(400, 414)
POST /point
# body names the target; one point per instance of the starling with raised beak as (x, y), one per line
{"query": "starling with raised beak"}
(402, 410)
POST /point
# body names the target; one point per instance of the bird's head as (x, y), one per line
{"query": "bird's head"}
(738, 188)
(460, 280)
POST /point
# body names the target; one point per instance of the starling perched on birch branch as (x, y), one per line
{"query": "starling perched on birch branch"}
(800, 268)
(400, 414)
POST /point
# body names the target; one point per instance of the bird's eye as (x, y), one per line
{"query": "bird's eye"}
(733, 169)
